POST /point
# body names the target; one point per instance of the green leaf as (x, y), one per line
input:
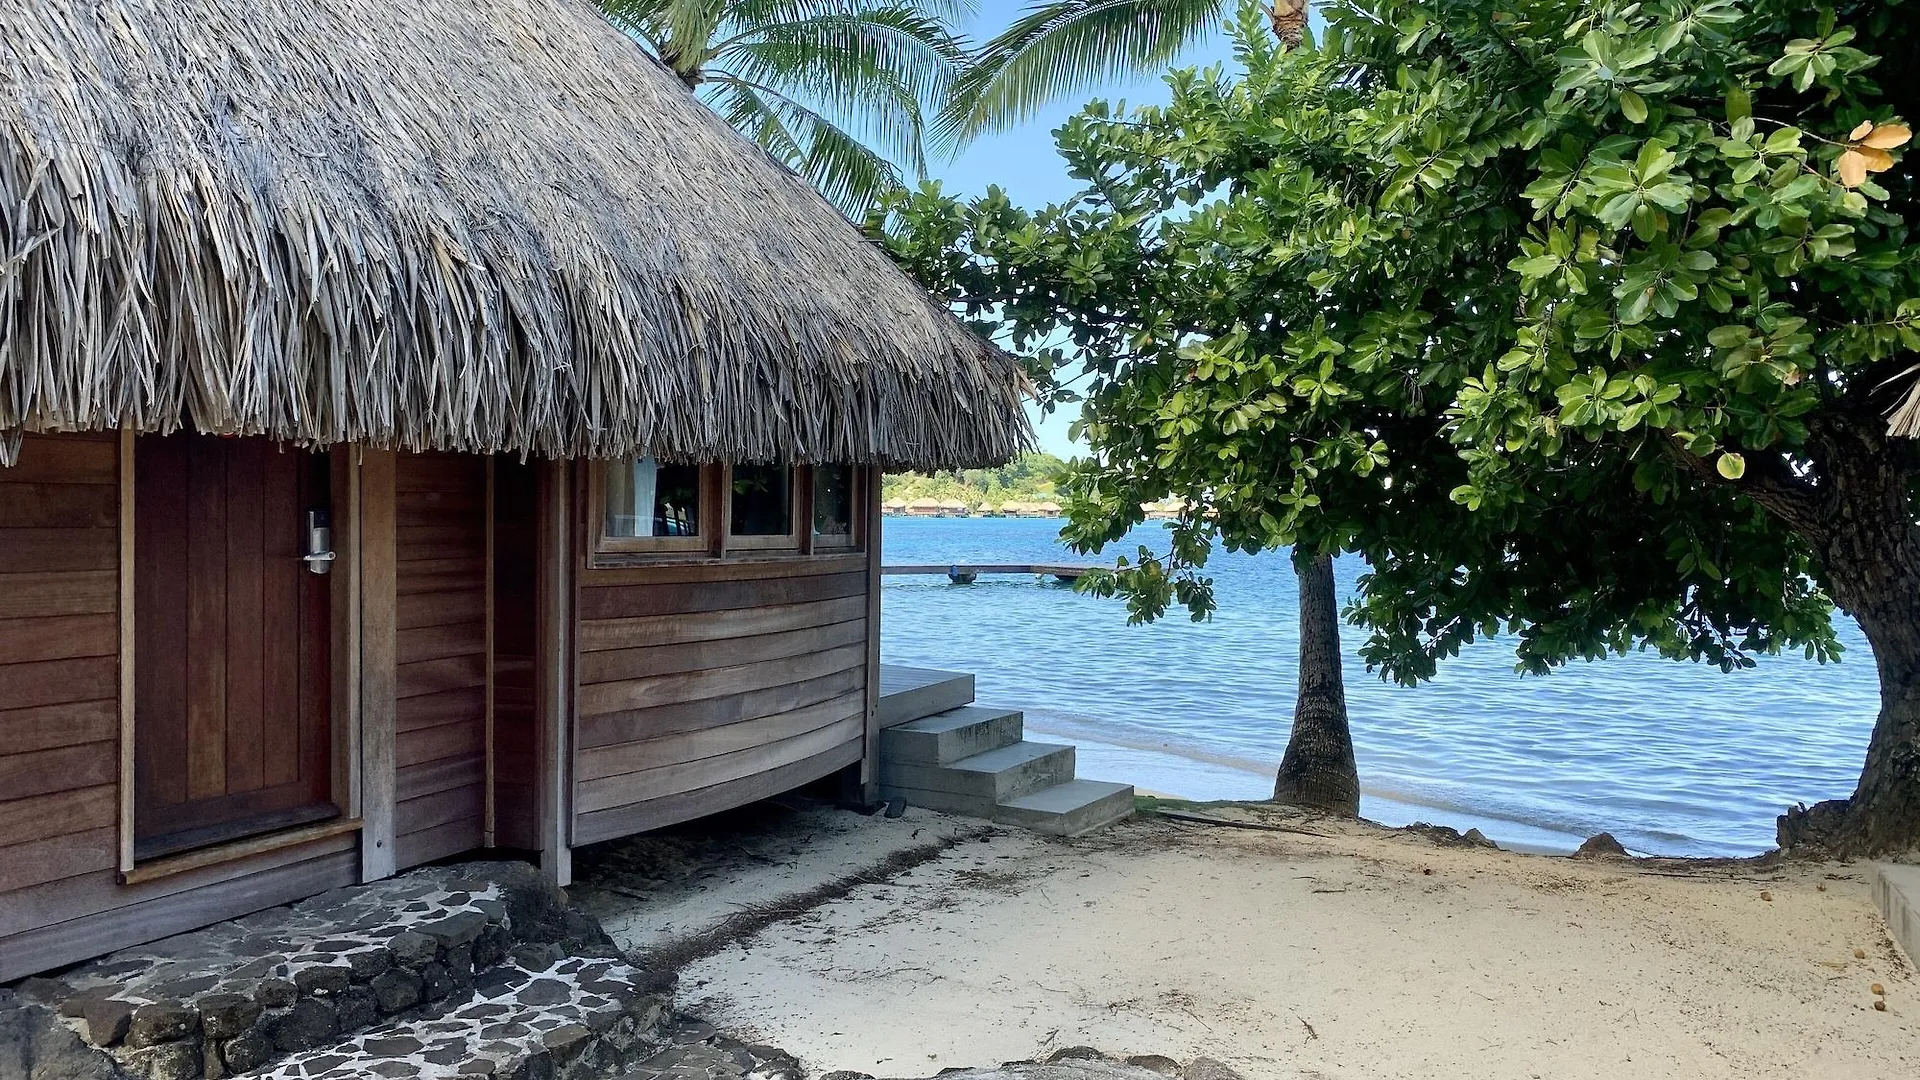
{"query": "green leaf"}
(1731, 465)
(1633, 107)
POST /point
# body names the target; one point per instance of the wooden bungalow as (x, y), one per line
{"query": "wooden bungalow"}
(425, 428)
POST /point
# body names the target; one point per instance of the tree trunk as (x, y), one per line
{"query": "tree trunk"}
(1318, 771)
(1871, 552)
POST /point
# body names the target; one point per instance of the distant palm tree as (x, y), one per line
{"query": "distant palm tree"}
(1062, 47)
(842, 91)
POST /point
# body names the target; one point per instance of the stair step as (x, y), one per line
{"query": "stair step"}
(944, 738)
(908, 694)
(975, 785)
(1074, 808)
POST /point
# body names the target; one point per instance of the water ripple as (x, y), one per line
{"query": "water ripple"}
(1674, 758)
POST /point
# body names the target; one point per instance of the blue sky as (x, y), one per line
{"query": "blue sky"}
(1024, 162)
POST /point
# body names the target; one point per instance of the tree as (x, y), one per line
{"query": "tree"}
(839, 90)
(1579, 319)
(1318, 770)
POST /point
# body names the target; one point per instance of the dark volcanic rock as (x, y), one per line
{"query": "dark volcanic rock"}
(107, 1020)
(309, 1025)
(396, 990)
(413, 949)
(227, 1016)
(155, 1024)
(1601, 846)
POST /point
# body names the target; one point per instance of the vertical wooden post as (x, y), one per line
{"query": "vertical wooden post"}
(493, 668)
(378, 677)
(344, 601)
(127, 684)
(553, 672)
(870, 542)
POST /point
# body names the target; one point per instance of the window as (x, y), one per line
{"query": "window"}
(650, 506)
(761, 507)
(834, 506)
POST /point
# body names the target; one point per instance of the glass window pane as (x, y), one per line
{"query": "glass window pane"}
(833, 501)
(762, 500)
(648, 499)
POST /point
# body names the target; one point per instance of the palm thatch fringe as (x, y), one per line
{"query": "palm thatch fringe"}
(486, 226)
(10, 439)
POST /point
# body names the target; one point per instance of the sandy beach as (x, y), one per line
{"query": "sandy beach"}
(1354, 953)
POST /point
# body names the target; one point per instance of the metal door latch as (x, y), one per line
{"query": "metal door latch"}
(319, 554)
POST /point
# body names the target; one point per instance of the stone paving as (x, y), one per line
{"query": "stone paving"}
(240, 995)
(577, 1017)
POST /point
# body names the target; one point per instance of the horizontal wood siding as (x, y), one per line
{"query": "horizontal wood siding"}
(709, 685)
(440, 577)
(59, 669)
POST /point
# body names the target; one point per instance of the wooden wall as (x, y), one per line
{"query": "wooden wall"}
(516, 753)
(60, 897)
(704, 686)
(440, 719)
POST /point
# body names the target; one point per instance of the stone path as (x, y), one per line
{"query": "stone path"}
(577, 1017)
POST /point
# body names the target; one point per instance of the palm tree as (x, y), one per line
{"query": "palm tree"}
(1062, 47)
(839, 90)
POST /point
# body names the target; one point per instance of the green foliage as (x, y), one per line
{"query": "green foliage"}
(1031, 477)
(839, 90)
(1567, 315)
(1059, 47)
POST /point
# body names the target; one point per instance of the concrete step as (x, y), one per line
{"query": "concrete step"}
(977, 785)
(944, 738)
(1896, 888)
(1074, 808)
(908, 694)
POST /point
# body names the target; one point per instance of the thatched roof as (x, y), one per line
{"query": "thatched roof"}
(483, 225)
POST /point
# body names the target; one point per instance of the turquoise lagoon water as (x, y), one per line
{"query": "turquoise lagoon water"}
(1675, 759)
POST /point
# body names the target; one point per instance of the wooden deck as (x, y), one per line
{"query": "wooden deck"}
(965, 573)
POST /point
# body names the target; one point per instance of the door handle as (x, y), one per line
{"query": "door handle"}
(319, 547)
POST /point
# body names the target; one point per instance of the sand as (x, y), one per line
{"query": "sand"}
(1360, 953)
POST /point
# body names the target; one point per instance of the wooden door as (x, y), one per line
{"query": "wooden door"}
(231, 651)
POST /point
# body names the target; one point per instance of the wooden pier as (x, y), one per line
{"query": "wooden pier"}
(966, 573)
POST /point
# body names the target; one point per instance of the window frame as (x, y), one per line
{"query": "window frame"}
(799, 515)
(603, 543)
(854, 538)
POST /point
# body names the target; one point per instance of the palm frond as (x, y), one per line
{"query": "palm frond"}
(850, 174)
(1063, 46)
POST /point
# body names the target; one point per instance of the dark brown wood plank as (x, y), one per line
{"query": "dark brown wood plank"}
(619, 665)
(56, 857)
(714, 682)
(738, 567)
(281, 664)
(677, 777)
(67, 459)
(442, 808)
(32, 594)
(57, 682)
(446, 707)
(61, 769)
(649, 630)
(117, 928)
(688, 746)
(204, 646)
(415, 848)
(444, 741)
(420, 509)
(631, 600)
(249, 652)
(632, 724)
(441, 609)
(436, 776)
(97, 891)
(377, 637)
(440, 642)
(59, 550)
(592, 828)
(62, 637)
(160, 622)
(58, 813)
(434, 676)
(430, 472)
(454, 573)
(58, 506)
(49, 726)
